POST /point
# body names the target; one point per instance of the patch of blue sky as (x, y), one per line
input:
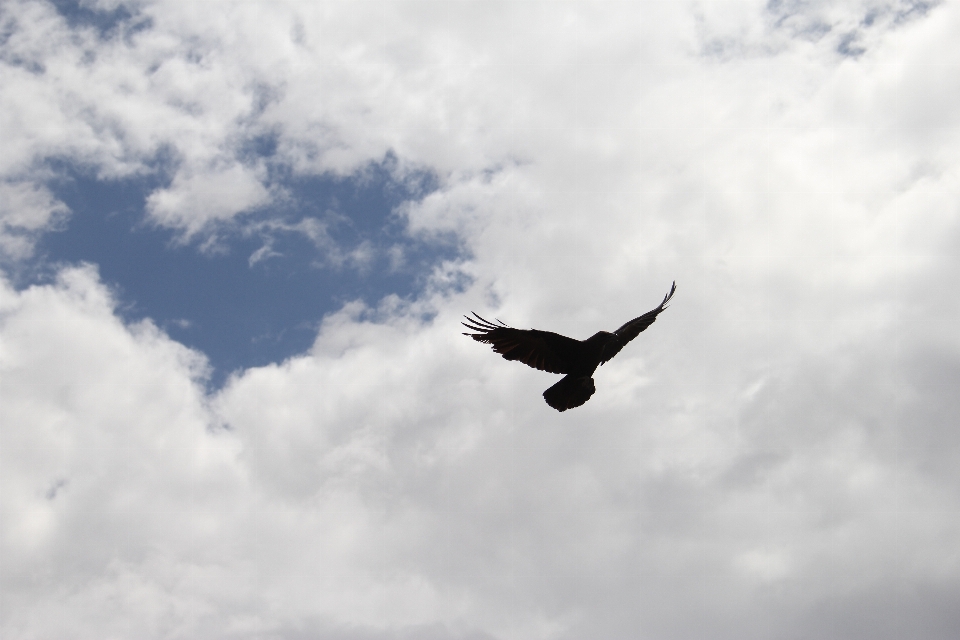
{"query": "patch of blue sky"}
(254, 290)
(107, 21)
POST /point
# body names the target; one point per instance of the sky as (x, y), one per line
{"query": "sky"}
(237, 240)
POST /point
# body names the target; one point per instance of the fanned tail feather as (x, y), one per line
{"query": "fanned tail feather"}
(572, 391)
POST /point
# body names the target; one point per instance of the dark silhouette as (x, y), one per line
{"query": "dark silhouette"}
(554, 353)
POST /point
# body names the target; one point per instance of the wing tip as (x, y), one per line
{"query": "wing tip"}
(482, 324)
(669, 296)
(673, 289)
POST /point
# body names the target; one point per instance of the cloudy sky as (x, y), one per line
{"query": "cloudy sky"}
(237, 239)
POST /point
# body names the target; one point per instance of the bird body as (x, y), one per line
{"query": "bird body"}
(554, 353)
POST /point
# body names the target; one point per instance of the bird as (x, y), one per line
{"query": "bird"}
(554, 353)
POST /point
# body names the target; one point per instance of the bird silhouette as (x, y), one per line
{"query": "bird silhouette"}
(554, 353)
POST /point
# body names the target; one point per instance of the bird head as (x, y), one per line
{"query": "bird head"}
(607, 343)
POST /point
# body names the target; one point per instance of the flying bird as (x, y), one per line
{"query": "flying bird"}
(551, 352)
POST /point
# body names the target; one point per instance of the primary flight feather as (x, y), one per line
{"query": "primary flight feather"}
(554, 353)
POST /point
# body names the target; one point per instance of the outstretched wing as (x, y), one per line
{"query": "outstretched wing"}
(632, 329)
(542, 350)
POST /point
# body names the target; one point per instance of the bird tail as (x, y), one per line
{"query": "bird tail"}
(572, 391)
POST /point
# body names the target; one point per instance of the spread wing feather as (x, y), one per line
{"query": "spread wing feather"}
(542, 350)
(632, 329)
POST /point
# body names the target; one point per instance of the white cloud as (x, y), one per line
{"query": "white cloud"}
(775, 457)
(25, 210)
(191, 203)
